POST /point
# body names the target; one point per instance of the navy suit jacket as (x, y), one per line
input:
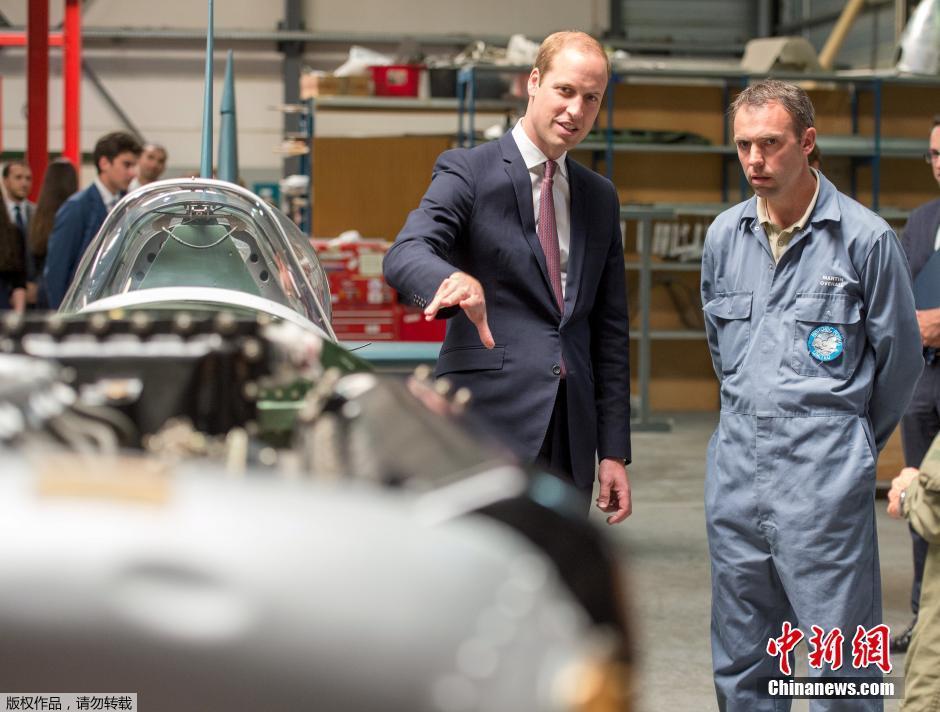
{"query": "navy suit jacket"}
(76, 223)
(477, 216)
(919, 235)
(29, 210)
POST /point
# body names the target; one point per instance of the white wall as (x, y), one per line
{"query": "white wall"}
(499, 17)
(160, 88)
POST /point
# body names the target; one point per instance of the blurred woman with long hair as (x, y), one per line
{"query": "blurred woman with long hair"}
(60, 181)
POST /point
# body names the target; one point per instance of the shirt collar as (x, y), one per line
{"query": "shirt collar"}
(764, 218)
(531, 154)
(106, 195)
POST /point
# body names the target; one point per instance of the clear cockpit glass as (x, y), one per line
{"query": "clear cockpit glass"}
(203, 238)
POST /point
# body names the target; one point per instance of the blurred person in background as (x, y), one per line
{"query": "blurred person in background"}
(60, 182)
(17, 184)
(12, 265)
(80, 217)
(921, 422)
(150, 167)
(915, 495)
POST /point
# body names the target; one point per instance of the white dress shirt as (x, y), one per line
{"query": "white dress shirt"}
(561, 191)
(110, 199)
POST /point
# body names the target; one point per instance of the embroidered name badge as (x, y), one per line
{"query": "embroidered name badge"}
(825, 343)
(831, 280)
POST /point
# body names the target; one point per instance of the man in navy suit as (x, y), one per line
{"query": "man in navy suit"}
(79, 218)
(519, 247)
(921, 422)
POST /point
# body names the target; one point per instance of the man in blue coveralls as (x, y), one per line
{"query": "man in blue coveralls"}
(810, 322)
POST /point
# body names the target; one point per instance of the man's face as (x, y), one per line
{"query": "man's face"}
(772, 155)
(564, 102)
(117, 174)
(152, 164)
(18, 183)
(934, 150)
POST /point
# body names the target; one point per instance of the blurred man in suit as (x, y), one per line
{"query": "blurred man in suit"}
(17, 183)
(79, 218)
(150, 167)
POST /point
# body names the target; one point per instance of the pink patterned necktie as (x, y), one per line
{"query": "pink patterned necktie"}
(548, 232)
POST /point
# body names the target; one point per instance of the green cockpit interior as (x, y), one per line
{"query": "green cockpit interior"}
(203, 254)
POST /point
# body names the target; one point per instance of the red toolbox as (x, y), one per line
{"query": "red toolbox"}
(365, 308)
(396, 79)
(366, 324)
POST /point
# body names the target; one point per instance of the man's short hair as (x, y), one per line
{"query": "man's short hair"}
(112, 145)
(555, 43)
(793, 99)
(936, 120)
(14, 162)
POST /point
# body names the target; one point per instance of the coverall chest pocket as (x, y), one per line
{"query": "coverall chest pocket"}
(731, 314)
(826, 335)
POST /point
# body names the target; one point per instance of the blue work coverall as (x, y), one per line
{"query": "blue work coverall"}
(790, 483)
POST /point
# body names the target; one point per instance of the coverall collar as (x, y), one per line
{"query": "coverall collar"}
(827, 209)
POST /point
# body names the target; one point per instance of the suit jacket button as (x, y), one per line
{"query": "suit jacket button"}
(556, 369)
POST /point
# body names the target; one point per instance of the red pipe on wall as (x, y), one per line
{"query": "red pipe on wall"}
(18, 39)
(37, 80)
(72, 81)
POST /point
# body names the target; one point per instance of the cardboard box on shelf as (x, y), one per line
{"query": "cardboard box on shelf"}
(317, 84)
(359, 85)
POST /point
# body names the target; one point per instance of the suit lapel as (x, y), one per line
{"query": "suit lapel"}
(101, 212)
(576, 244)
(98, 213)
(934, 227)
(522, 185)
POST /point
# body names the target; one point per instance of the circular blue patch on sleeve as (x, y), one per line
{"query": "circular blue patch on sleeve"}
(825, 343)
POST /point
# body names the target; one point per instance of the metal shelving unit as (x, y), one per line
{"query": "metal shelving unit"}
(861, 149)
(391, 103)
(858, 146)
(644, 217)
(300, 207)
